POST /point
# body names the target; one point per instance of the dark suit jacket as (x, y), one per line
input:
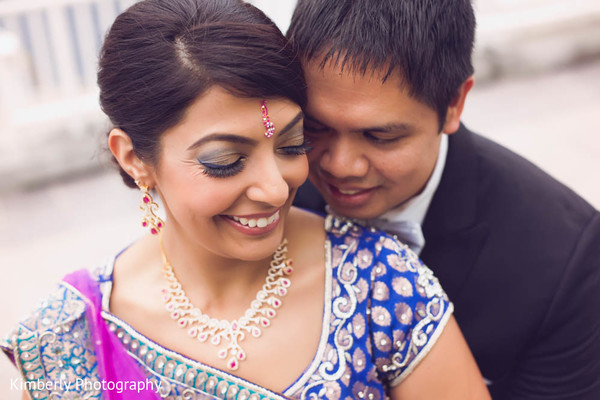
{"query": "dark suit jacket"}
(519, 255)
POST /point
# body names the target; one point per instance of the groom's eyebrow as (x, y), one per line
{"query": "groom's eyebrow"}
(393, 127)
(400, 127)
(312, 119)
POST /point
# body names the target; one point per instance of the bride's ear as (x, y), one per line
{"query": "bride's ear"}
(121, 147)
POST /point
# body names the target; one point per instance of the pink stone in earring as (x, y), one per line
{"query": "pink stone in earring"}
(269, 126)
(149, 207)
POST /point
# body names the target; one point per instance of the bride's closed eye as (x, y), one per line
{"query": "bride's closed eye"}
(296, 143)
(296, 150)
(223, 166)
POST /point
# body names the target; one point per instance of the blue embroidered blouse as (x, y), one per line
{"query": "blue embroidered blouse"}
(383, 312)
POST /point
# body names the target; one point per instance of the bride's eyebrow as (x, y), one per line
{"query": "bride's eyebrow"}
(228, 137)
(291, 124)
(222, 137)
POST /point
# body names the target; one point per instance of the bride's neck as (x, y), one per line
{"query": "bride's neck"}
(210, 280)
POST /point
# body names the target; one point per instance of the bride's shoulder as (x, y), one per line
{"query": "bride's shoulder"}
(304, 216)
(305, 228)
(306, 219)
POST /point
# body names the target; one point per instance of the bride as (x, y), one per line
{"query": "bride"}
(233, 293)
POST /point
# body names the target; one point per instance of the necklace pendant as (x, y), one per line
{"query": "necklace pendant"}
(237, 354)
(233, 363)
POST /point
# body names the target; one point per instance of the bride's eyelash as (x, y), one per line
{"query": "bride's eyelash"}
(297, 150)
(223, 171)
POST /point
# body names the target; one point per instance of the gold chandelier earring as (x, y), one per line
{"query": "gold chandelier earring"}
(149, 207)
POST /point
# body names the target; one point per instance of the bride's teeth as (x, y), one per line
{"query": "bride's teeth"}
(261, 223)
(274, 217)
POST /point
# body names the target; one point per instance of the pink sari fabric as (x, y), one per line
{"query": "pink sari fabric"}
(114, 363)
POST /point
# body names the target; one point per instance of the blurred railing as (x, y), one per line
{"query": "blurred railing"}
(61, 39)
(48, 94)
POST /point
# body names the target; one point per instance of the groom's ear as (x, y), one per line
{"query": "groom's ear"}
(452, 122)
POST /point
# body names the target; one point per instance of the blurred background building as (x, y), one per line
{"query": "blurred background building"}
(538, 92)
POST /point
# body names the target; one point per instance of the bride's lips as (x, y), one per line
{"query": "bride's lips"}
(350, 196)
(255, 224)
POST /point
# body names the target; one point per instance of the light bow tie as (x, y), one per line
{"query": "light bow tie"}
(408, 232)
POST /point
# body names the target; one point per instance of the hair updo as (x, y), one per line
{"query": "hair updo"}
(159, 56)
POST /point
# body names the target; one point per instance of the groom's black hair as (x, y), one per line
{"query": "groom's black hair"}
(428, 42)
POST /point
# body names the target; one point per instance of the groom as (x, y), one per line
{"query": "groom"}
(517, 252)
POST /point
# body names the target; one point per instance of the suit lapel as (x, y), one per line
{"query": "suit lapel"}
(453, 237)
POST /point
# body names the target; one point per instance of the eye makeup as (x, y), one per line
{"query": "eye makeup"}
(229, 159)
(222, 165)
(296, 145)
(223, 171)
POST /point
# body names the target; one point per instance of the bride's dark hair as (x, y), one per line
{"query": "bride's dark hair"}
(161, 55)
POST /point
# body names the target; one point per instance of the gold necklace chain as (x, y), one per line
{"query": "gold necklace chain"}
(231, 333)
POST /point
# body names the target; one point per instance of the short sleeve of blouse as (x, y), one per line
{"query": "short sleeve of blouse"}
(7, 348)
(22, 341)
(409, 310)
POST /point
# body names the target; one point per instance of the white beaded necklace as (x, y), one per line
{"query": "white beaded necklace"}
(231, 333)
